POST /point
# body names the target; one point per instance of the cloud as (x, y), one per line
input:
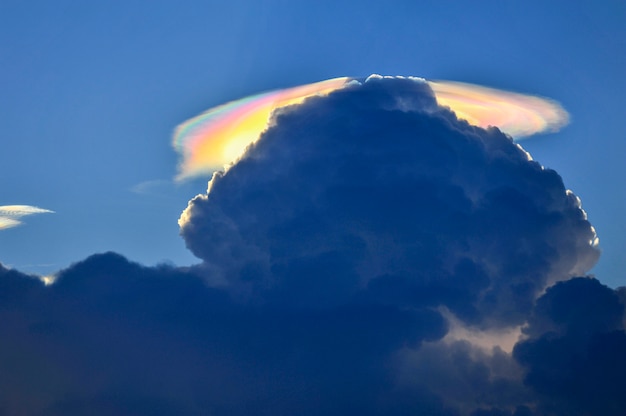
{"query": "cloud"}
(219, 136)
(151, 187)
(8, 223)
(370, 254)
(575, 353)
(110, 334)
(519, 115)
(377, 192)
(9, 214)
(216, 138)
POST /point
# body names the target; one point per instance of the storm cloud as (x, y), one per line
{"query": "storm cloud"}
(371, 254)
(359, 195)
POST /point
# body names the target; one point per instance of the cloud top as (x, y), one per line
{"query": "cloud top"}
(377, 191)
(218, 137)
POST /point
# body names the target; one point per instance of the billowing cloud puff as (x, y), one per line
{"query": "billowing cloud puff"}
(111, 337)
(370, 255)
(575, 350)
(9, 214)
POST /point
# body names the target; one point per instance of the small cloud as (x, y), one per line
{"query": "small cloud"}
(152, 187)
(48, 279)
(8, 223)
(9, 214)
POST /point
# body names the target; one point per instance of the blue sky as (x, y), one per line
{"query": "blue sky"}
(91, 93)
(371, 255)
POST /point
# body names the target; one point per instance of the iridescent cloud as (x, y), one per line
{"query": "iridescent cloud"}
(218, 137)
(9, 214)
(518, 115)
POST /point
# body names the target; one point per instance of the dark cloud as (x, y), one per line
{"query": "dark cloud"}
(575, 356)
(15, 286)
(376, 192)
(351, 261)
(120, 338)
(465, 375)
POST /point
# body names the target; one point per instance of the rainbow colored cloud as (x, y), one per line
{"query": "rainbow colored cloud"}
(216, 138)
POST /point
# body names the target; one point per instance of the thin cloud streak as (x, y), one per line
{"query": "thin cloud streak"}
(9, 214)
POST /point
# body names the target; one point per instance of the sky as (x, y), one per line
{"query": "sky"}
(92, 94)
(264, 298)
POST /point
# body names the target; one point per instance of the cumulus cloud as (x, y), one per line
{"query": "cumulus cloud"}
(575, 353)
(10, 214)
(371, 254)
(113, 337)
(376, 192)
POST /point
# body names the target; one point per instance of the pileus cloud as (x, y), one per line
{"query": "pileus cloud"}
(216, 138)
